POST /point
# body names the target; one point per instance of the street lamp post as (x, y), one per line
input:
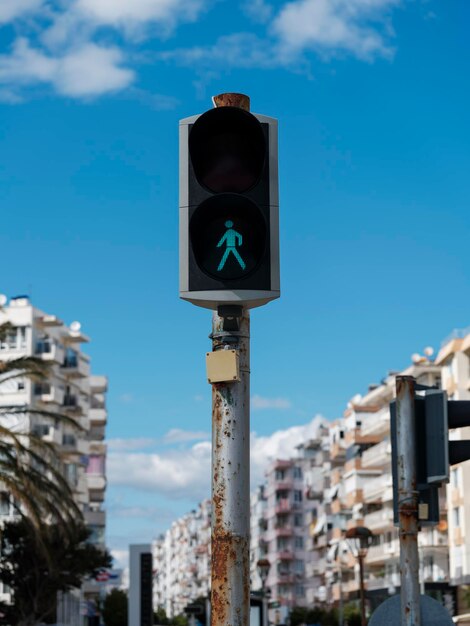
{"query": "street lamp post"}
(359, 539)
(263, 566)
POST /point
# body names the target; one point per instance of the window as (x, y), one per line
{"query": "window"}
(41, 430)
(42, 389)
(456, 516)
(454, 477)
(299, 590)
(71, 474)
(314, 514)
(299, 542)
(44, 345)
(71, 358)
(68, 439)
(280, 474)
(20, 384)
(8, 341)
(297, 472)
(298, 519)
(22, 337)
(299, 566)
(282, 543)
(297, 495)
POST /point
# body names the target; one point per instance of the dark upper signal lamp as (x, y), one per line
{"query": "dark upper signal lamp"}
(229, 224)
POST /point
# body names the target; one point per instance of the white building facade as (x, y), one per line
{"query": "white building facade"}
(70, 389)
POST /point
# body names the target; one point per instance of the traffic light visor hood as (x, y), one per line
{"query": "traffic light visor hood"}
(227, 149)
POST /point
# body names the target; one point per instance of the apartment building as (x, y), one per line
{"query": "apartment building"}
(454, 360)
(362, 495)
(70, 389)
(258, 526)
(181, 560)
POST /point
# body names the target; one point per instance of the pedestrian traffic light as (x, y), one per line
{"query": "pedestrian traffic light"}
(435, 415)
(229, 239)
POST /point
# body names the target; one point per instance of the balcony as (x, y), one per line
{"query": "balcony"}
(376, 423)
(379, 489)
(76, 366)
(379, 520)
(354, 497)
(73, 445)
(48, 350)
(284, 485)
(95, 518)
(47, 393)
(285, 555)
(284, 531)
(96, 481)
(337, 452)
(382, 582)
(98, 416)
(352, 464)
(73, 403)
(98, 384)
(378, 455)
(286, 579)
(358, 437)
(283, 506)
(96, 433)
(383, 552)
(282, 464)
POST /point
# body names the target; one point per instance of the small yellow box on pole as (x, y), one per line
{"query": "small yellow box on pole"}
(222, 366)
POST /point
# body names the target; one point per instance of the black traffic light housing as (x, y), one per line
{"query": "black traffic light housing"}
(229, 224)
(435, 415)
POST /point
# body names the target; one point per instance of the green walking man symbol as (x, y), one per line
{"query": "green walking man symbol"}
(230, 238)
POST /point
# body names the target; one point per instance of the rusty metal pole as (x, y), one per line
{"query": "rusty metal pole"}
(407, 502)
(230, 571)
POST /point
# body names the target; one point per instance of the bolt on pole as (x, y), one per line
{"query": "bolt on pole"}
(407, 501)
(230, 571)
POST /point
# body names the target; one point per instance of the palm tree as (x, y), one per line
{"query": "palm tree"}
(31, 469)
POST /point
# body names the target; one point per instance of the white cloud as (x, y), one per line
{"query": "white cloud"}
(259, 402)
(138, 443)
(279, 445)
(258, 10)
(244, 50)
(122, 13)
(13, 9)
(135, 19)
(329, 26)
(120, 557)
(86, 72)
(140, 512)
(176, 474)
(177, 435)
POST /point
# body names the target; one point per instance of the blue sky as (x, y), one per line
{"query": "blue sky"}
(372, 98)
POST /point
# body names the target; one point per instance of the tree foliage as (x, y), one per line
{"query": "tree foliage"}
(313, 615)
(115, 608)
(37, 565)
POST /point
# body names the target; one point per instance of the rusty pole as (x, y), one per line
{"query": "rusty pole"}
(407, 502)
(230, 571)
